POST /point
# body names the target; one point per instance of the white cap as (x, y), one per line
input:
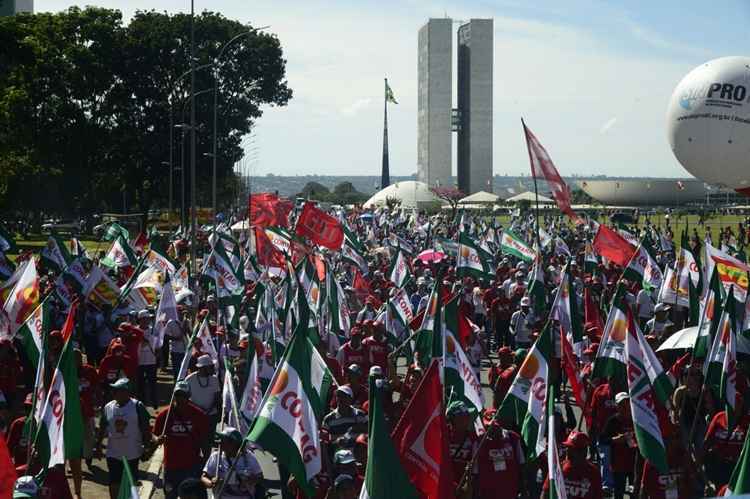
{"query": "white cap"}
(525, 301)
(621, 397)
(376, 371)
(204, 361)
(144, 314)
(345, 389)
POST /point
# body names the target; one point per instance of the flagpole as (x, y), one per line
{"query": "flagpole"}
(536, 191)
(385, 179)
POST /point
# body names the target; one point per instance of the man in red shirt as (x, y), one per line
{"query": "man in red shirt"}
(619, 434)
(582, 478)
(601, 408)
(500, 461)
(17, 437)
(462, 441)
(115, 365)
(377, 349)
(681, 480)
(183, 430)
(722, 448)
(88, 389)
(131, 337)
(501, 310)
(352, 351)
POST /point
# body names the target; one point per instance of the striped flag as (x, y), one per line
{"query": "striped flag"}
(643, 401)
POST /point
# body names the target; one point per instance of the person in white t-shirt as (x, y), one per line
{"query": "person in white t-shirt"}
(232, 470)
(205, 389)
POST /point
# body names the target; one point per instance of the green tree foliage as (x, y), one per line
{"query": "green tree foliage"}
(343, 193)
(86, 104)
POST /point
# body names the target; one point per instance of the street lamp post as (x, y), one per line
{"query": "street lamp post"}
(216, 99)
(193, 228)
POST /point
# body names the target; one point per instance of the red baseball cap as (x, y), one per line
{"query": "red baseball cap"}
(577, 440)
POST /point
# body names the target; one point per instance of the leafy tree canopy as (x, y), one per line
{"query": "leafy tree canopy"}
(86, 103)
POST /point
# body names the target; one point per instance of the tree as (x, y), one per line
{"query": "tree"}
(314, 190)
(86, 101)
(450, 195)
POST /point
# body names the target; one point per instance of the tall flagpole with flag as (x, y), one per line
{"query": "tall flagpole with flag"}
(385, 176)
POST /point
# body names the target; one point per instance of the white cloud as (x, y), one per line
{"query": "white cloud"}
(356, 106)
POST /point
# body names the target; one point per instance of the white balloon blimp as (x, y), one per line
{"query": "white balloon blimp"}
(708, 122)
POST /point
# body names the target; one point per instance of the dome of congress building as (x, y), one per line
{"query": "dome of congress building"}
(411, 193)
(639, 192)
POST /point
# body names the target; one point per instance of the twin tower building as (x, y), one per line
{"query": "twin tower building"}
(471, 120)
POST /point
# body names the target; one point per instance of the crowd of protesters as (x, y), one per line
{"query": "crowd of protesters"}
(134, 398)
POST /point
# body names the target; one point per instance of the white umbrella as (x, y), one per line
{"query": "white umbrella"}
(681, 340)
(684, 339)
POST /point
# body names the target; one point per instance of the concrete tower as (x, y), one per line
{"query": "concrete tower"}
(474, 155)
(435, 102)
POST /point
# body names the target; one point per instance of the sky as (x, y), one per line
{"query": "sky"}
(592, 79)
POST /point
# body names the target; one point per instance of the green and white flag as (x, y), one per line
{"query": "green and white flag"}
(459, 375)
(32, 332)
(610, 358)
(288, 422)
(428, 340)
(525, 402)
(739, 483)
(400, 307)
(710, 312)
(338, 309)
(229, 281)
(557, 488)
(536, 290)
(511, 244)
(352, 254)
(721, 365)
(61, 418)
(389, 94)
(120, 255)
(642, 401)
(115, 230)
(128, 489)
(385, 477)
(399, 272)
(643, 268)
(55, 254)
(470, 262)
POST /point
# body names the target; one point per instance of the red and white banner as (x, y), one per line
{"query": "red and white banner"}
(320, 227)
(543, 167)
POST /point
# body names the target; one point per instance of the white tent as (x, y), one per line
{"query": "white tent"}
(412, 194)
(480, 198)
(529, 196)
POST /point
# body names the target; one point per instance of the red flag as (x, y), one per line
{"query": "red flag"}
(281, 212)
(139, 243)
(266, 253)
(70, 322)
(543, 167)
(261, 209)
(464, 324)
(320, 227)
(421, 439)
(613, 246)
(360, 284)
(7, 470)
(570, 364)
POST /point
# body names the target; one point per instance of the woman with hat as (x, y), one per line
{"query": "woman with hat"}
(232, 470)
